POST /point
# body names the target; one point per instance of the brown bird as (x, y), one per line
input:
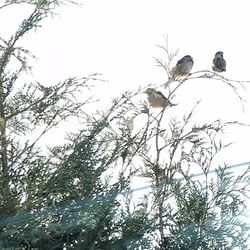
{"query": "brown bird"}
(157, 100)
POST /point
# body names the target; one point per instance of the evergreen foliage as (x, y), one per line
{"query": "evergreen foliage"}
(78, 195)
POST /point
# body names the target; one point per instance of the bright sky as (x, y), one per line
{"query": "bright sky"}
(118, 39)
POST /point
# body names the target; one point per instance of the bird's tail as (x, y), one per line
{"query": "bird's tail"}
(172, 104)
(172, 77)
(168, 82)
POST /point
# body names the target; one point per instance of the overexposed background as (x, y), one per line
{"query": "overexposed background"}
(118, 39)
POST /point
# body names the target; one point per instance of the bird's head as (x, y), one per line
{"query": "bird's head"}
(219, 54)
(149, 91)
(188, 58)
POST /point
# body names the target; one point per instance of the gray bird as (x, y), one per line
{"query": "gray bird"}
(181, 69)
(183, 66)
(219, 63)
(157, 100)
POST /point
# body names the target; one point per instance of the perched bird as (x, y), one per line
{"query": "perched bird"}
(157, 100)
(183, 66)
(181, 69)
(219, 63)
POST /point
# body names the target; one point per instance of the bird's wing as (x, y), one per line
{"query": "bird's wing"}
(214, 61)
(161, 95)
(167, 102)
(224, 62)
(220, 63)
(181, 61)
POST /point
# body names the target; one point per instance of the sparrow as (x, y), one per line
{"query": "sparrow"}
(181, 69)
(157, 100)
(219, 63)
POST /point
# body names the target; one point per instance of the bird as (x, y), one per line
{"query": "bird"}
(181, 69)
(157, 100)
(219, 63)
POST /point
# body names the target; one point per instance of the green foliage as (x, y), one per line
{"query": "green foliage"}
(78, 196)
(203, 220)
(189, 212)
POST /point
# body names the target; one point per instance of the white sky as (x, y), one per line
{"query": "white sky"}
(118, 39)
